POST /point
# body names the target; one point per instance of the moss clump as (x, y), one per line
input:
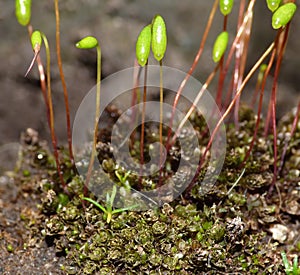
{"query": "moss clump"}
(226, 229)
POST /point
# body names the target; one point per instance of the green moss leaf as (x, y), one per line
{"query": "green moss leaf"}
(283, 15)
(159, 37)
(220, 46)
(23, 11)
(143, 43)
(226, 6)
(89, 42)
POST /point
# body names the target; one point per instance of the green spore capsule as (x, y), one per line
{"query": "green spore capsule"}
(220, 46)
(143, 44)
(159, 37)
(273, 4)
(36, 39)
(23, 11)
(283, 15)
(89, 42)
(226, 6)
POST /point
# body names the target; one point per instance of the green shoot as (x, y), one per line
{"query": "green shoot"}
(290, 270)
(108, 209)
(123, 178)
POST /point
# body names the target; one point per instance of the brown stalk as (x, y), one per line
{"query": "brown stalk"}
(193, 67)
(161, 100)
(52, 129)
(273, 100)
(263, 84)
(294, 127)
(227, 112)
(232, 49)
(135, 99)
(143, 122)
(59, 62)
(192, 108)
(241, 58)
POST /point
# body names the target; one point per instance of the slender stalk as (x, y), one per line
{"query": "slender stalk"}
(193, 67)
(161, 100)
(228, 110)
(232, 49)
(143, 122)
(258, 85)
(161, 110)
(51, 113)
(241, 58)
(262, 89)
(97, 114)
(273, 105)
(135, 98)
(220, 82)
(198, 97)
(294, 127)
(59, 62)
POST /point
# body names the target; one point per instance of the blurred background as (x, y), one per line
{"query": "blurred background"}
(116, 23)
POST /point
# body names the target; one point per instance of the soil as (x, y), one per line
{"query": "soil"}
(238, 227)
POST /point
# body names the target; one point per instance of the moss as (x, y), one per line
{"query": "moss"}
(223, 230)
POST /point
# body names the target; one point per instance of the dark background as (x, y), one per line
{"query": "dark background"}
(116, 24)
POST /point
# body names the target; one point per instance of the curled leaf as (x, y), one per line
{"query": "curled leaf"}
(226, 6)
(23, 11)
(220, 46)
(283, 15)
(159, 37)
(143, 43)
(89, 42)
(273, 4)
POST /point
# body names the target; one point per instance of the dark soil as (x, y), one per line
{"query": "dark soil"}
(220, 232)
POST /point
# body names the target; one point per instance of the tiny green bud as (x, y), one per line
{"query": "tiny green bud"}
(89, 42)
(23, 11)
(143, 43)
(261, 73)
(226, 6)
(273, 4)
(159, 37)
(36, 39)
(220, 46)
(283, 15)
